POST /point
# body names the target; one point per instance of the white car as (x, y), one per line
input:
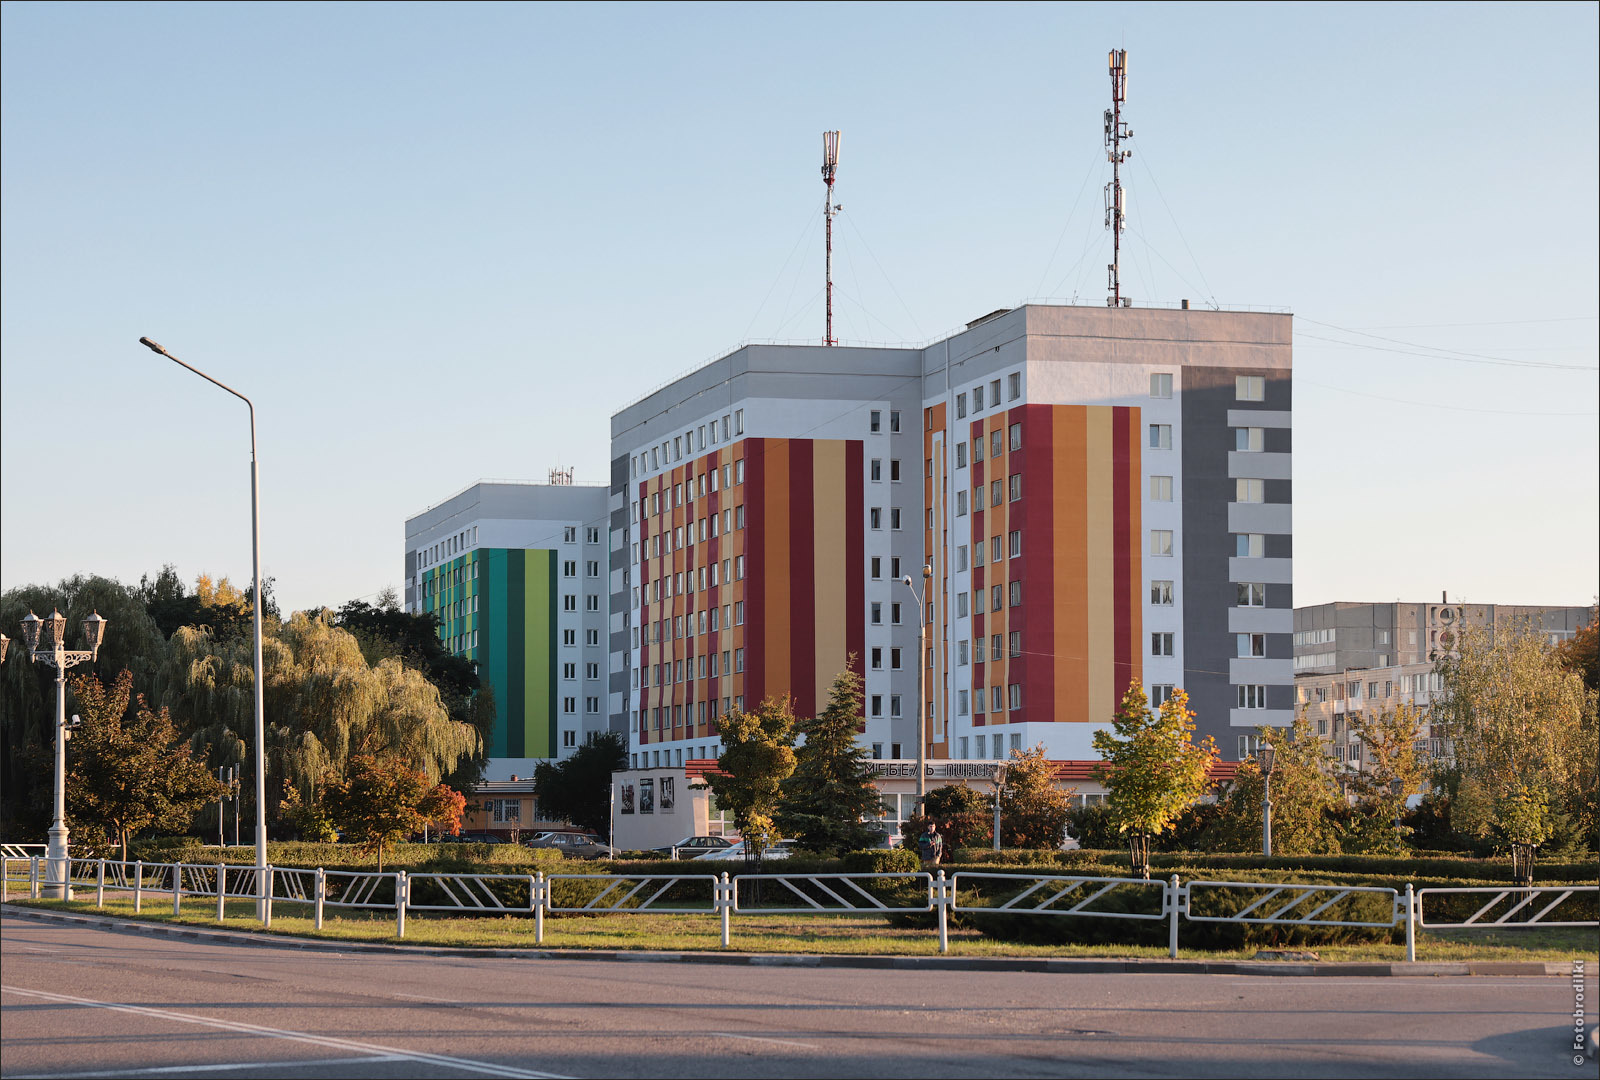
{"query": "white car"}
(782, 849)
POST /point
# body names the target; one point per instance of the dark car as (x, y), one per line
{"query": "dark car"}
(473, 838)
(691, 846)
(576, 845)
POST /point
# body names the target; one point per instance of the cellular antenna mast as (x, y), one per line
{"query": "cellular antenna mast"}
(830, 166)
(1116, 131)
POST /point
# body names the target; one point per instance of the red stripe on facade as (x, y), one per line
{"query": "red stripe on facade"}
(1122, 663)
(803, 627)
(755, 568)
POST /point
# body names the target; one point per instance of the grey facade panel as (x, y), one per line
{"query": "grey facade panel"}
(1210, 517)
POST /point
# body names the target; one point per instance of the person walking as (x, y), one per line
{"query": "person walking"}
(930, 846)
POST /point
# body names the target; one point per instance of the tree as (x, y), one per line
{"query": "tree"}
(384, 631)
(1522, 729)
(1305, 798)
(381, 801)
(1033, 811)
(963, 816)
(578, 788)
(1581, 652)
(1151, 767)
(757, 756)
(1396, 770)
(830, 793)
(132, 771)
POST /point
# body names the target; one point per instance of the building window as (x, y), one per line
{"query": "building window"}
(1014, 385)
(894, 470)
(877, 658)
(996, 446)
(1250, 387)
(1016, 486)
(963, 706)
(995, 492)
(569, 602)
(877, 613)
(1016, 594)
(977, 398)
(1161, 489)
(877, 469)
(1160, 693)
(591, 637)
(894, 517)
(1014, 700)
(569, 637)
(1016, 436)
(1160, 384)
(961, 406)
(1248, 439)
(1161, 436)
(875, 421)
(592, 567)
(1251, 644)
(877, 566)
(961, 653)
(996, 597)
(1015, 642)
(1016, 542)
(894, 705)
(1161, 542)
(894, 612)
(977, 444)
(1249, 545)
(994, 391)
(1249, 491)
(994, 549)
(894, 659)
(894, 421)
(1251, 594)
(591, 602)
(1161, 644)
(961, 558)
(961, 503)
(1253, 696)
(875, 516)
(1161, 593)
(569, 535)
(961, 605)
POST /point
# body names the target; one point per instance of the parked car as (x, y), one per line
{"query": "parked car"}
(692, 846)
(780, 850)
(576, 845)
(472, 838)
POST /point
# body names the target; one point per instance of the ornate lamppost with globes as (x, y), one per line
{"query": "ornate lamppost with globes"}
(46, 640)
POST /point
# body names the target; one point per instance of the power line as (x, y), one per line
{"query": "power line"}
(1445, 353)
(1436, 404)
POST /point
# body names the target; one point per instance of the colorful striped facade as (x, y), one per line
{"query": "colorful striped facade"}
(749, 582)
(500, 605)
(1101, 497)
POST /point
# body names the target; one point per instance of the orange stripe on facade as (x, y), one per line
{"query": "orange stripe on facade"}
(1101, 607)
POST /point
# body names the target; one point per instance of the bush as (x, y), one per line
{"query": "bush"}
(882, 861)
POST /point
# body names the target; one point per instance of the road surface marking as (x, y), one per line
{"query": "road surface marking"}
(462, 1064)
(430, 1000)
(758, 1038)
(174, 1070)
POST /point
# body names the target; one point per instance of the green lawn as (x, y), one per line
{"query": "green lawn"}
(789, 934)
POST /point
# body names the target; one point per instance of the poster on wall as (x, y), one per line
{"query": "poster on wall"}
(627, 798)
(668, 795)
(647, 796)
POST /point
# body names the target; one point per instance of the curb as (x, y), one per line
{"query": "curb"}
(1047, 965)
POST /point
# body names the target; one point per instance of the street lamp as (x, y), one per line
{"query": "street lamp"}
(999, 782)
(255, 566)
(922, 713)
(47, 640)
(1265, 756)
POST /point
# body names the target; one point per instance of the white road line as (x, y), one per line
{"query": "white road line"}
(758, 1038)
(430, 1000)
(178, 1070)
(462, 1064)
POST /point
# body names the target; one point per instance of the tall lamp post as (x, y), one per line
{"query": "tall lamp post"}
(922, 712)
(255, 567)
(1265, 756)
(47, 643)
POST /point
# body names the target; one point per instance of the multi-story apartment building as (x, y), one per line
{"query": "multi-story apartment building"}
(1339, 636)
(1099, 495)
(518, 575)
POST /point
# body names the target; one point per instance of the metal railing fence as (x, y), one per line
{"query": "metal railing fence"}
(751, 895)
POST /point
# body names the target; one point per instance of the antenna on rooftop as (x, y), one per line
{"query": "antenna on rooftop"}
(830, 165)
(1116, 131)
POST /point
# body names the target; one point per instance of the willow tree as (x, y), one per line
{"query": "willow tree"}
(324, 705)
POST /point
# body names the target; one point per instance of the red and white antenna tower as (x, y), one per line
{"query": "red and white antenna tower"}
(1116, 131)
(830, 166)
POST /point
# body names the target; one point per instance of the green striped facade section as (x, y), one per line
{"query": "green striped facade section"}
(515, 644)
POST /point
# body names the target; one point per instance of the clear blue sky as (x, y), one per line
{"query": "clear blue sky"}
(444, 242)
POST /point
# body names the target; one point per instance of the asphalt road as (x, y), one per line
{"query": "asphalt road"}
(83, 1001)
